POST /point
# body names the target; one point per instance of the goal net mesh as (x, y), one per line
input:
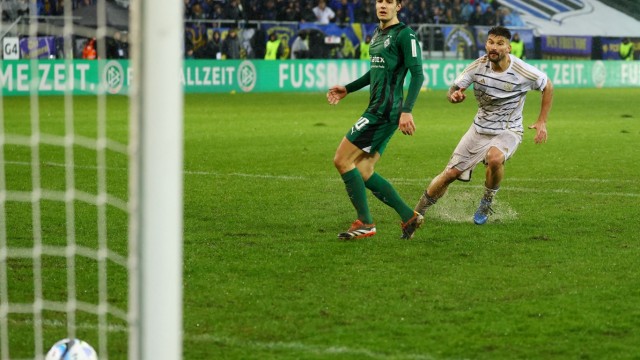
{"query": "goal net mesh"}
(65, 199)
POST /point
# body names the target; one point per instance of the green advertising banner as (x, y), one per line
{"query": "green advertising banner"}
(20, 77)
(51, 77)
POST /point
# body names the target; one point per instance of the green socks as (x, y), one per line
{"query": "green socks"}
(357, 193)
(384, 191)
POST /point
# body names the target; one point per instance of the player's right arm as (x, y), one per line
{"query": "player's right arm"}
(456, 94)
(463, 81)
(335, 94)
(338, 92)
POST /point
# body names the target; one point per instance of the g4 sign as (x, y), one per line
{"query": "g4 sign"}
(10, 48)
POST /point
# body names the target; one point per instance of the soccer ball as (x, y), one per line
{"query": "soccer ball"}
(71, 349)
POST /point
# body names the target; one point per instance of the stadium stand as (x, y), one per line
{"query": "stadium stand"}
(546, 9)
(629, 7)
(255, 18)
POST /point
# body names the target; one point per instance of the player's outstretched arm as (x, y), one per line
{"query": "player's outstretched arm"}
(335, 94)
(456, 94)
(541, 124)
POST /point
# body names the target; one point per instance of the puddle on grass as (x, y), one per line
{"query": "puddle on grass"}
(461, 204)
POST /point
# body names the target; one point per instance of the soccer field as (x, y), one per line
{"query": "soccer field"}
(552, 275)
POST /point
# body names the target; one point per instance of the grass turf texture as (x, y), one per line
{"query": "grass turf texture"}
(552, 275)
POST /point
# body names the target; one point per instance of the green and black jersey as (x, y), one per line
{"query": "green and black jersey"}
(393, 52)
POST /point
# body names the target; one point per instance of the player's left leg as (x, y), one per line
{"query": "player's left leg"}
(501, 148)
(495, 171)
(385, 192)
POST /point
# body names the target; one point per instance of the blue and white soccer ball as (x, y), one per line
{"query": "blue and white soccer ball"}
(71, 349)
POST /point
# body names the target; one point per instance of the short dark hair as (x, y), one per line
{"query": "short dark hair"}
(500, 31)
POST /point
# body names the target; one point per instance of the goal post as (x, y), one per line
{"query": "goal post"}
(91, 193)
(156, 183)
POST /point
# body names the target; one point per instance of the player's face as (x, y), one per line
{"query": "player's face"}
(387, 9)
(497, 48)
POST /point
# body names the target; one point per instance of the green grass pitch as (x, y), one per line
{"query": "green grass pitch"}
(553, 275)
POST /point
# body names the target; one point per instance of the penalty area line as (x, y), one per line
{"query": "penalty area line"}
(310, 349)
(396, 180)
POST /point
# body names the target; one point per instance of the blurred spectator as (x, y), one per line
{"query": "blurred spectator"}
(216, 44)
(438, 16)
(626, 49)
(269, 11)
(452, 17)
(483, 4)
(273, 48)
(362, 51)
(323, 13)
(404, 15)
(188, 4)
(231, 48)
(234, 10)
(489, 17)
(300, 46)
(347, 10)
(207, 8)
(195, 37)
(366, 14)
(510, 18)
(340, 18)
(343, 50)
(422, 15)
(218, 12)
(48, 7)
(292, 11)
(456, 9)
(89, 50)
(197, 13)
(476, 17)
(59, 8)
(307, 14)
(253, 9)
(466, 11)
(517, 46)
(118, 46)
(211, 50)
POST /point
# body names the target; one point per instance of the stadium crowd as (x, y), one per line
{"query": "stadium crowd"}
(471, 12)
(339, 12)
(12, 9)
(201, 18)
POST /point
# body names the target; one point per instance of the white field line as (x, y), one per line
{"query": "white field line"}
(244, 344)
(309, 349)
(424, 181)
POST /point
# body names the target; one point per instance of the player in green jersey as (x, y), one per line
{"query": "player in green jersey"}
(394, 51)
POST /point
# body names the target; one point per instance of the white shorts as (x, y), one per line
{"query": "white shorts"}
(473, 147)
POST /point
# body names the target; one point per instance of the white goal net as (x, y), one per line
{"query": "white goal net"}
(91, 177)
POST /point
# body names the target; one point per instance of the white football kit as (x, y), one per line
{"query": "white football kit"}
(498, 122)
(500, 95)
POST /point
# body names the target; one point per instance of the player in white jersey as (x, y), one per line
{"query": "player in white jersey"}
(500, 84)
